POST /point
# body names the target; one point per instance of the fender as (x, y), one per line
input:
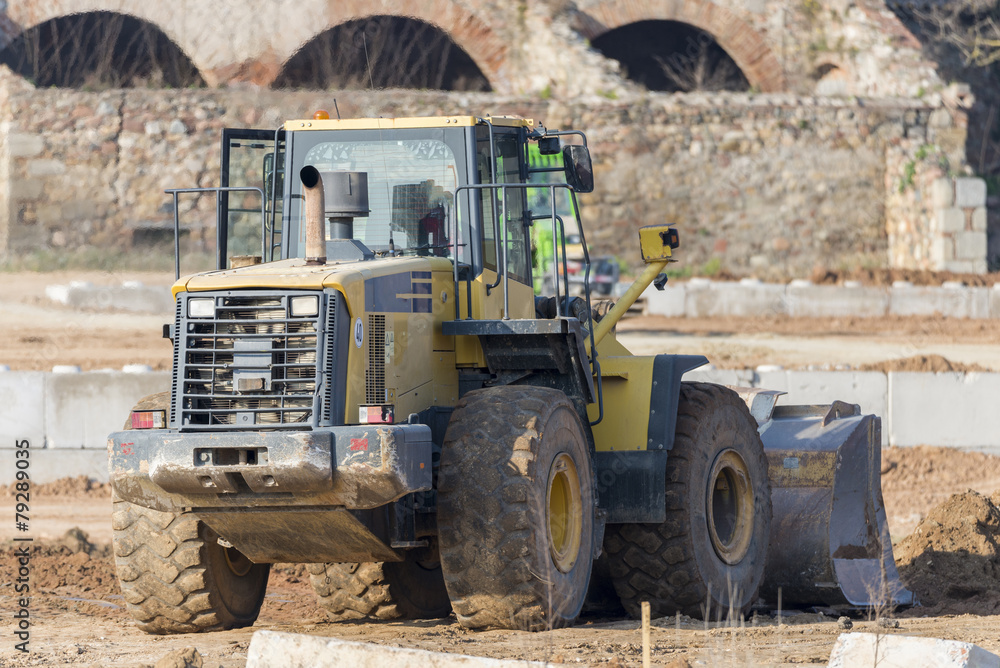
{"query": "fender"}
(631, 484)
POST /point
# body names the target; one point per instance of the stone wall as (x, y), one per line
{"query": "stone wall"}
(769, 185)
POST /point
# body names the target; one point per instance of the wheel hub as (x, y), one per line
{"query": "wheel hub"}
(729, 506)
(237, 562)
(565, 512)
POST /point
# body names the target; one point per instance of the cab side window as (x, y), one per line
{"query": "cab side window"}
(507, 169)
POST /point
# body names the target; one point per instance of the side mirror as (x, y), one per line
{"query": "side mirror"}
(548, 146)
(579, 170)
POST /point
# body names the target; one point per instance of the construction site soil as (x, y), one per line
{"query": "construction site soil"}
(944, 524)
(940, 504)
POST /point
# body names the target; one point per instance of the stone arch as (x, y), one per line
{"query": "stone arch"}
(256, 51)
(398, 52)
(743, 43)
(832, 77)
(24, 16)
(97, 48)
(486, 49)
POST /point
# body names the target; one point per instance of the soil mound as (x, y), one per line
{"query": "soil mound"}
(916, 479)
(56, 567)
(885, 277)
(926, 363)
(952, 560)
(81, 485)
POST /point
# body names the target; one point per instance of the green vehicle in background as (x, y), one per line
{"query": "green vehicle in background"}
(604, 270)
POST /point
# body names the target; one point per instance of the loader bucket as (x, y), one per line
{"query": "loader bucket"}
(829, 541)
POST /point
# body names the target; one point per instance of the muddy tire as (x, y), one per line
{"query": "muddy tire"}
(410, 589)
(707, 559)
(175, 577)
(516, 509)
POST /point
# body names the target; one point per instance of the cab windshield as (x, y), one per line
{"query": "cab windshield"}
(412, 178)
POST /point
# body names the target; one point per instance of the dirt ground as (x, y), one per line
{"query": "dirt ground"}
(946, 550)
(946, 537)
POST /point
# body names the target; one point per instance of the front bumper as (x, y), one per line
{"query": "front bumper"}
(353, 467)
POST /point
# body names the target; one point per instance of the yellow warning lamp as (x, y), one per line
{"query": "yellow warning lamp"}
(321, 115)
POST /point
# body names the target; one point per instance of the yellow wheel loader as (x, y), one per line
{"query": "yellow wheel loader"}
(368, 385)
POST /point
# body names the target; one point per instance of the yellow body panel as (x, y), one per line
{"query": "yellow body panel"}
(627, 382)
(403, 123)
(653, 242)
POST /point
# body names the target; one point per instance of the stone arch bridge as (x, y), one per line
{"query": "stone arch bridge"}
(251, 40)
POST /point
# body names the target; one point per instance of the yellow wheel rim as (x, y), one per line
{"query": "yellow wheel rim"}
(565, 512)
(237, 562)
(730, 509)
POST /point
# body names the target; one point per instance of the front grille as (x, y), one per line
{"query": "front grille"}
(251, 366)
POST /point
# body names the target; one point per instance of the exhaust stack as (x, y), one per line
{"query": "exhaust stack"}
(340, 196)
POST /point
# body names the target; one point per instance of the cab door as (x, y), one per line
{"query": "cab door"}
(505, 229)
(251, 159)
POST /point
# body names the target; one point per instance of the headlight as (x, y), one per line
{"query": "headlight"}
(201, 307)
(305, 306)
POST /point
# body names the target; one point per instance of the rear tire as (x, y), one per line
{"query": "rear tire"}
(176, 577)
(707, 558)
(410, 589)
(516, 509)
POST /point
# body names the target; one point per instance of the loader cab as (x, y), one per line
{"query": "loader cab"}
(450, 187)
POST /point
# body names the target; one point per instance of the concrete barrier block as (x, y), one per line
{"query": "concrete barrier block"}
(744, 299)
(945, 409)
(82, 409)
(668, 302)
(772, 379)
(709, 374)
(22, 415)
(868, 389)
(896, 651)
(951, 302)
(995, 301)
(48, 465)
(131, 297)
(296, 650)
(819, 301)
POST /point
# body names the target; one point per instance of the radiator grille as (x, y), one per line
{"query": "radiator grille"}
(253, 365)
(178, 342)
(330, 359)
(375, 374)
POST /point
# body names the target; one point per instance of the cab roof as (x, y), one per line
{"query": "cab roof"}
(402, 123)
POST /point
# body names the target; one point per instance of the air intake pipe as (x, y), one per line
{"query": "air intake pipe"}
(340, 196)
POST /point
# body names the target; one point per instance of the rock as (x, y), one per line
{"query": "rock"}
(77, 541)
(189, 657)
(845, 623)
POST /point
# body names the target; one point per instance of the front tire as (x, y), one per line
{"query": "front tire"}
(707, 558)
(516, 509)
(409, 589)
(177, 578)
